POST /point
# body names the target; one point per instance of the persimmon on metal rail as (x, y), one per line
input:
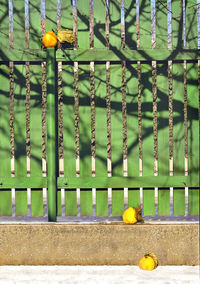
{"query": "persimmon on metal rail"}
(101, 182)
(70, 55)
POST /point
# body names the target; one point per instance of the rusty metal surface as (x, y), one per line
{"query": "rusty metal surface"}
(97, 244)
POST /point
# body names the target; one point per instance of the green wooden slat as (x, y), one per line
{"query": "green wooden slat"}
(51, 15)
(34, 24)
(130, 24)
(66, 15)
(161, 25)
(4, 21)
(83, 24)
(132, 130)
(5, 195)
(133, 197)
(101, 137)
(163, 202)
(162, 107)
(19, 105)
(99, 24)
(69, 135)
(85, 136)
(68, 120)
(148, 202)
(5, 122)
(35, 107)
(163, 118)
(20, 135)
(194, 201)
(145, 24)
(115, 23)
(163, 135)
(132, 101)
(178, 134)
(178, 119)
(147, 135)
(191, 25)
(193, 134)
(5, 203)
(116, 136)
(36, 202)
(100, 109)
(70, 202)
(178, 109)
(84, 108)
(117, 202)
(177, 25)
(21, 202)
(36, 135)
(19, 24)
(179, 202)
(59, 209)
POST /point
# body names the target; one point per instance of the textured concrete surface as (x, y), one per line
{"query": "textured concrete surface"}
(97, 244)
(98, 274)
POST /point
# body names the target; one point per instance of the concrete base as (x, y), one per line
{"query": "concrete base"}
(127, 274)
(97, 244)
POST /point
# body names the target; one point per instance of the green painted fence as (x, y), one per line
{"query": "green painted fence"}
(111, 121)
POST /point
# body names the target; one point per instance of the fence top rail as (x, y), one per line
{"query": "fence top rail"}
(101, 182)
(101, 55)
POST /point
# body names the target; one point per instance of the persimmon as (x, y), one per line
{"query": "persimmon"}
(132, 215)
(49, 39)
(148, 262)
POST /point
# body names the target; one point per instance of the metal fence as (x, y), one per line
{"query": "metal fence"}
(109, 122)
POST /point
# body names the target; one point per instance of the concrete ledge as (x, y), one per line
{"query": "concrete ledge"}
(105, 274)
(97, 244)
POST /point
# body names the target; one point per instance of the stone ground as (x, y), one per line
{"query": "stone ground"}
(98, 274)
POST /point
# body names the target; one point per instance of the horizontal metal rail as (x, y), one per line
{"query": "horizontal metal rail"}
(102, 55)
(101, 182)
(101, 219)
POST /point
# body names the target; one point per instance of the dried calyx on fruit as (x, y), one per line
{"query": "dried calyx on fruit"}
(65, 36)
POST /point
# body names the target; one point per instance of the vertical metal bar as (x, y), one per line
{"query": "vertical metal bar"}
(169, 20)
(108, 105)
(154, 91)
(11, 75)
(51, 135)
(28, 148)
(124, 113)
(60, 116)
(185, 109)
(43, 64)
(92, 101)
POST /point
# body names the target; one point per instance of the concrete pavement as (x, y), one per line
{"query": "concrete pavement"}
(98, 274)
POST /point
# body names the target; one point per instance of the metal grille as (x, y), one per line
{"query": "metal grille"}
(127, 96)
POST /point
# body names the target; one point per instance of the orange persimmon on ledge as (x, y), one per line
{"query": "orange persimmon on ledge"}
(49, 39)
